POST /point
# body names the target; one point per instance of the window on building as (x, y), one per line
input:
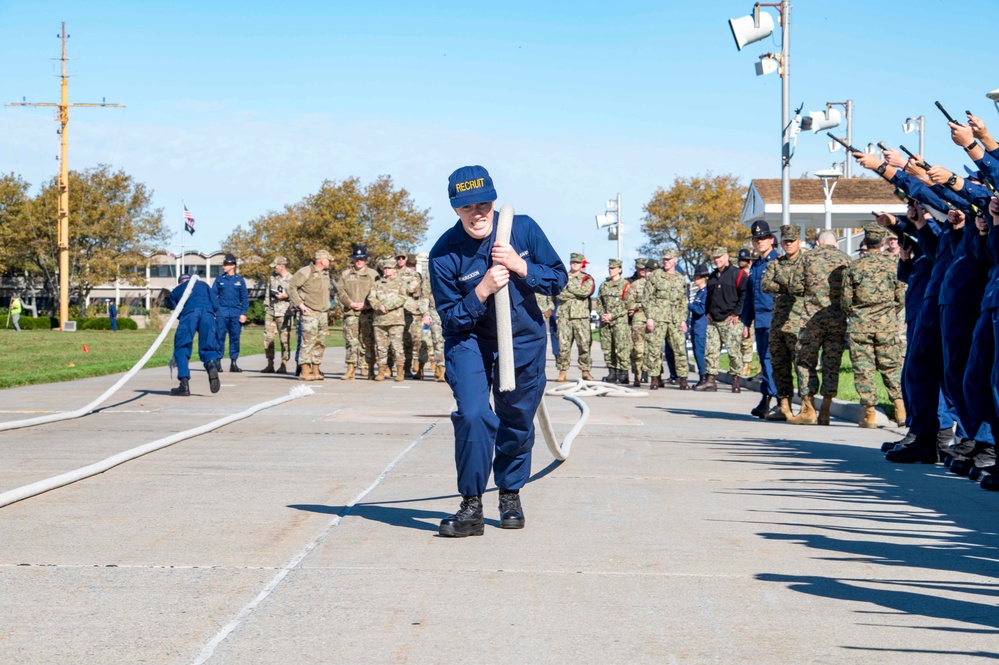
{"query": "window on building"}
(216, 271)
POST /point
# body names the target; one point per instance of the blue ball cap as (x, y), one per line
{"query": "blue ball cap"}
(470, 184)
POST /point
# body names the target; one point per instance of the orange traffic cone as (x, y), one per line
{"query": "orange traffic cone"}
(85, 349)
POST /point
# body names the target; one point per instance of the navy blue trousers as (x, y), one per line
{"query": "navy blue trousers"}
(485, 438)
(228, 322)
(203, 322)
(957, 329)
(925, 375)
(698, 340)
(978, 402)
(766, 368)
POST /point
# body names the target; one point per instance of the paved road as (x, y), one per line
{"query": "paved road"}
(681, 530)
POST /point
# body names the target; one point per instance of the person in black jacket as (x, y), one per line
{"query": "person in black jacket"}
(725, 297)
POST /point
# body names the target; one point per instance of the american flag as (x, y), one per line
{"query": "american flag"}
(188, 221)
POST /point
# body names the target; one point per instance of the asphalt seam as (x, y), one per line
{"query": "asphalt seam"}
(295, 561)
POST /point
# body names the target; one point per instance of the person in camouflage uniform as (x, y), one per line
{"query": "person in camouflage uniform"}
(356, 283)
(436, 337)
(309, 292)
(872, 298)
(782, 278)
(633, 301)
(547, 306)
(726, 293)
(387, 300)
(665, 303)
(821, 291)
(746, 258)
(413, 331)
(615, 333)
(278, 316)
(574, 319)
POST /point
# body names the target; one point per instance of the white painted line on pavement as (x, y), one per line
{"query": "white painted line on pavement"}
(213, 644)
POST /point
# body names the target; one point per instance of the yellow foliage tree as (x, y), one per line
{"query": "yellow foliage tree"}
(694, 215)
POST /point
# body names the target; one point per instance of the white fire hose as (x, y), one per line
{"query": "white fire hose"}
(507, 378)
(69, 415)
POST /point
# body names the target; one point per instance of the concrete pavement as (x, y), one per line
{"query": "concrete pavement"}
(681, 530)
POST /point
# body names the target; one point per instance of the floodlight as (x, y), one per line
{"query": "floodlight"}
(767, 64)
(831, 174)
(603, 221)
(825, 120)
(753, 28)
(994, 95)
(910, 125)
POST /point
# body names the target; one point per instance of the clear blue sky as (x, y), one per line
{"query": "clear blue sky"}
(242, 107)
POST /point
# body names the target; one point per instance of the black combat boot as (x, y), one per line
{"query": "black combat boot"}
(213, 376)
(904, 441)
(511, 514)
(466, 522)
(763, 407)
(645, 377)
(183, 390)
(923, 450)
(233, 367)
(218, 365)
(622, 377)
(611, 376)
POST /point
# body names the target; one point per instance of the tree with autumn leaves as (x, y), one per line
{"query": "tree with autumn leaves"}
(693, 216)
(338, 216)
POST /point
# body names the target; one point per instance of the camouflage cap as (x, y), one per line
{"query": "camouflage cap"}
(874, 231)
(641, 264)
(576, 257)
(614, 263)
(387, 262)
(670, 253)
(279, 261)
(788, 232)
(399, 253)
(321, 254)
(719, 251)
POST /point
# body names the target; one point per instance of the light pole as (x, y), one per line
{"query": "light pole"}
(848, 107)
(611, 220)
(916, 124)
(829, 177)
(750, 29)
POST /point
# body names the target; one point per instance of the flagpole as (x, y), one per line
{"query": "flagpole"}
(183, 230)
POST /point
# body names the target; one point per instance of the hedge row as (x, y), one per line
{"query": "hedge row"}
(94, 323)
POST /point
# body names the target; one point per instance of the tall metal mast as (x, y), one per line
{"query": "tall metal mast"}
(63, 119)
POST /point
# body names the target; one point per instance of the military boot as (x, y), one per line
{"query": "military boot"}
(348, 373)
(511, 513)
(419, 373)
(904, 441)
(870, 419)
(270, 367)
(782, 413)
(317, 373)
(283, 369)
(638, 381)
(761, 409)
(587, 376)
(807, 415)
(645, 376)
(400, 372)
(466, 522)
(364, 370)
(899, 412)
(561, 378)
(611, 376)
(923, 450)
(682, 383)
(655, 382)
(380, 373)
(708, 384)
(747, 369)
(183, 390)
(622, 377)
(306, 373)
(735, 384)
(213, 377)
(824, 417)
(371, 372)
(233, 367)
(439, 373)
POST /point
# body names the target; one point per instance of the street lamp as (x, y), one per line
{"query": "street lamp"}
(829, 178)
(611, 220)
(833, 146)
(749, 29)
(916, 124)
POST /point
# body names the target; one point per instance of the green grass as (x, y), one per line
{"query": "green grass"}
(47, 356)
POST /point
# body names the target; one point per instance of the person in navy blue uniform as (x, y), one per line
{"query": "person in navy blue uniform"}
(113, 314)
(198, 316)
(467, 267)
(757, 310)
(234, 301)
(697, 325)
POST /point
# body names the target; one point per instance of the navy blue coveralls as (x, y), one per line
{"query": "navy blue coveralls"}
(698, 327)
(756, 311)
(458, 263)
(980, 404)
(198, 316)
(234, 301)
